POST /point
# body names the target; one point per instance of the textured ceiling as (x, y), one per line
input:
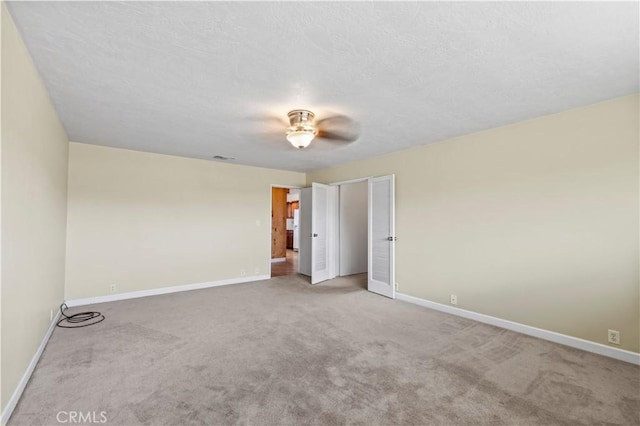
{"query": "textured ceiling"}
(194, 79)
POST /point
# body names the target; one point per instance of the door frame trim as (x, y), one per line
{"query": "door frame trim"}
(344, 182)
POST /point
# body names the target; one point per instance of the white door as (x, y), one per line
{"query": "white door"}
(382, 236)
(319, 232)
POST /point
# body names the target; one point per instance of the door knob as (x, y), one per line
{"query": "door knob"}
(315, 235)
(392, 238)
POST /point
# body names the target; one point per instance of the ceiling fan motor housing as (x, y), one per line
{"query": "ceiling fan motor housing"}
(301, 118)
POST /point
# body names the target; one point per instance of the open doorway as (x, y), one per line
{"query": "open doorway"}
(353, 227)
(285, 238)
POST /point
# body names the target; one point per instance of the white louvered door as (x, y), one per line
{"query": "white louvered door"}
(382, 236)
(319, 233)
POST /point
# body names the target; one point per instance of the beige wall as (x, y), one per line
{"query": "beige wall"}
(535, 222)
(144, 221)
(34, 208)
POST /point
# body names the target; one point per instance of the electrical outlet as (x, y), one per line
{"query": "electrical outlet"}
(257, 271)
(454, 299)
(242, 272)
(614, 337)
(112, 288)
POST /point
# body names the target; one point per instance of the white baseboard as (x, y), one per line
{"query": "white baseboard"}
(563, 339)
(278, 259)
(163, 290)
(13, 401)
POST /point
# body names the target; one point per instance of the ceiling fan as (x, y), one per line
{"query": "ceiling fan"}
(303, 129)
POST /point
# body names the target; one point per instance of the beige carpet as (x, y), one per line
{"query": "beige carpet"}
(284, 352)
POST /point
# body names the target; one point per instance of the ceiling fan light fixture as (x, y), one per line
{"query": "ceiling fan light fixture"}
(302, 130)
(300, 138)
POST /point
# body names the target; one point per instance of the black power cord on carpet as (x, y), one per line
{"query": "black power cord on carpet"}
(77, 320)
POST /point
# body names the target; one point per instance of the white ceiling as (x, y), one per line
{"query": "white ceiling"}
(193, 79)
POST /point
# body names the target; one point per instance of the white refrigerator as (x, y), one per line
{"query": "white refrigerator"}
(296, 229)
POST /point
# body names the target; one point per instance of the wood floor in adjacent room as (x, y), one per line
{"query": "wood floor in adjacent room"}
(289, 267)
(282, 351)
